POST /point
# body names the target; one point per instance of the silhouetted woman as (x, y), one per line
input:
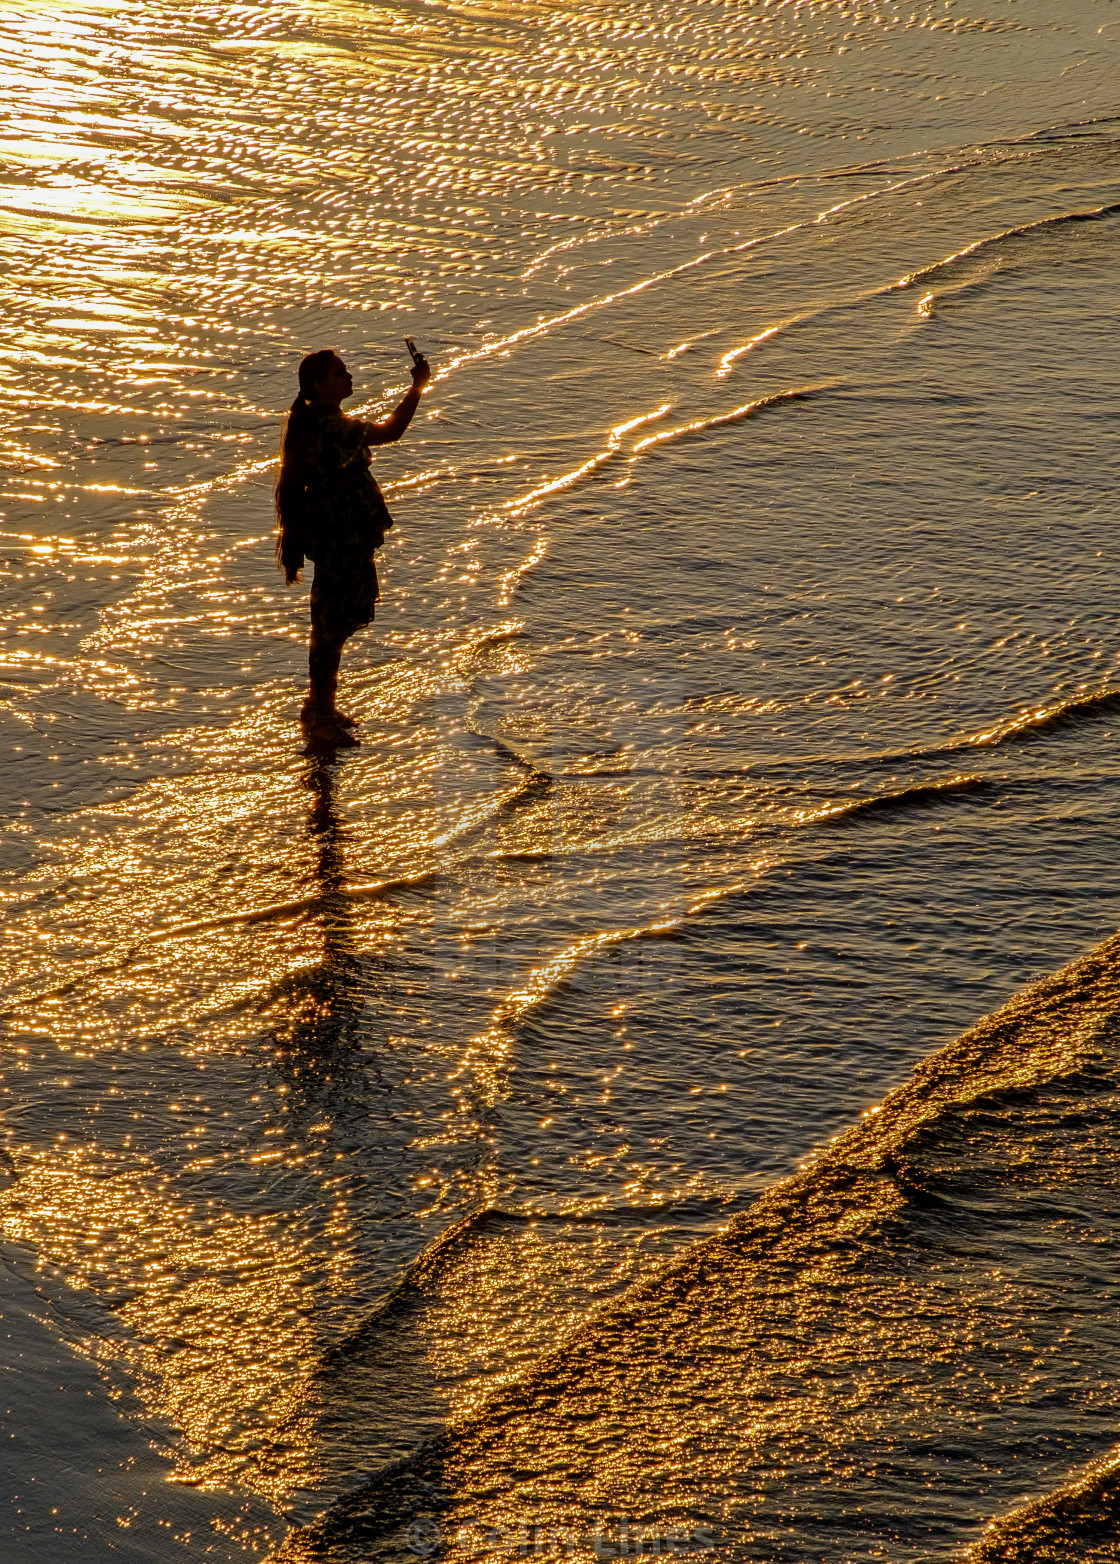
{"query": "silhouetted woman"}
(330, 509)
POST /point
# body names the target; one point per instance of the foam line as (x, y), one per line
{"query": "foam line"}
(544, 980)
(747, 410)
(529, 501)
(1039, 719)
(1092, 215)
(293, 909)
(485, 1052)
(920, 794)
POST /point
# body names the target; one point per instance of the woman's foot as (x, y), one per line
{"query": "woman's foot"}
(324, 733)
(309, 715)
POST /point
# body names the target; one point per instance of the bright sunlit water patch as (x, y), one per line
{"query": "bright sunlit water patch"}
(738, 728)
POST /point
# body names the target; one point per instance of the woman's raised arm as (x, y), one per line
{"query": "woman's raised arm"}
(401, 416)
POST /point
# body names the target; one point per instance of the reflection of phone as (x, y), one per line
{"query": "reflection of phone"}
(411, 346)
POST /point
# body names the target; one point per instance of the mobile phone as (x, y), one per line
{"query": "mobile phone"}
(411, 346)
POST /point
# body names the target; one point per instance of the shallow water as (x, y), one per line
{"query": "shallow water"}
(740, 726)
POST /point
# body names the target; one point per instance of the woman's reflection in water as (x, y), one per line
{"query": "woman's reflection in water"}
(372, 1387)
(319, 1007)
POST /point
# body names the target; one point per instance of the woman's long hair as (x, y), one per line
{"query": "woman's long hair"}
(290, 481)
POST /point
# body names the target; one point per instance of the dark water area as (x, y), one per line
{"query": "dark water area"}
(565, 1123)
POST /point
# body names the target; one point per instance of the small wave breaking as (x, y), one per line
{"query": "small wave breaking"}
(882, 1334)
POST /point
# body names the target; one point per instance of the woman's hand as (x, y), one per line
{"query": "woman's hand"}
(421, 373)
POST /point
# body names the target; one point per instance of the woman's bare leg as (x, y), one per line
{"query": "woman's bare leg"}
(323, 657)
